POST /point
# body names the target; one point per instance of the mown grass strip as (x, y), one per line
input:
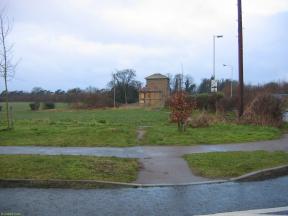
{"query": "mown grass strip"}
(234, 164)
(214, 134)
(41, 167)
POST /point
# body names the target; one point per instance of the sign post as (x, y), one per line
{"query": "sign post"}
(213, 85)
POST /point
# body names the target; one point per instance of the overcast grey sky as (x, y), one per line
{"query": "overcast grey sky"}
(79, 43)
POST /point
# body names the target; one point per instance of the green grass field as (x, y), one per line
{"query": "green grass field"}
(234, 164)
(116, 127)
(68, 168)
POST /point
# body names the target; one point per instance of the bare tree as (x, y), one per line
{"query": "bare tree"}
(176, 82)
(189, 85)
(125, 84)
(6, 66)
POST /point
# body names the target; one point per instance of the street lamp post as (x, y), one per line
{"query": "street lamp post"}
(214, 52)
(231, 81)
(213, 80)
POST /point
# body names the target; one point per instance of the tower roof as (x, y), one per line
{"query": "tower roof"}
(156, 76)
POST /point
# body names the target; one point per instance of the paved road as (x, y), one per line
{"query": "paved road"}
(160, 164)
(178, 200)
(148, 151)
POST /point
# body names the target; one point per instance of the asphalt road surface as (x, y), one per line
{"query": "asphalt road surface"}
(176, 200)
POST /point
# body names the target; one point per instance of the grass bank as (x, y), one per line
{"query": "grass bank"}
(215, 134)
(234, 164)
(68, 168)
(117, 128)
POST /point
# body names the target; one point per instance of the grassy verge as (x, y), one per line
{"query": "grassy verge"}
(68, 168)
(117, 127)
(215, 134)
(234, 164)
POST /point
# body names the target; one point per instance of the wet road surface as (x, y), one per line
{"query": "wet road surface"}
(177, 200)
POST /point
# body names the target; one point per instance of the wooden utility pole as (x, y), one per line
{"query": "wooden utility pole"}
(240, 61)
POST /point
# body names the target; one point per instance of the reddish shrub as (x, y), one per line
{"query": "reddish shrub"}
(181, 106)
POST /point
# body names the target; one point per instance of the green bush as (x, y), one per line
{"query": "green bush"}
(34, 106)
(207, 102)
(48, 105)
(202, 101)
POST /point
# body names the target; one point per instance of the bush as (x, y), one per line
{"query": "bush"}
(97, 100)
(226, 104)
(181, 107)
(264, 110)
(48, 105)
(202, 101)
(208, 102)
(34, 106)
(198, 121)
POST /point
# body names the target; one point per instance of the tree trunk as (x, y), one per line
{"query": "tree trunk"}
(5, 71)
(7, 103)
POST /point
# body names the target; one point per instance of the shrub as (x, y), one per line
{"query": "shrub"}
(208, 102)
(97, 100)
(76, 105)
(264, 110)
(48, 105)
(230, 116)
(226, 104)
(202, 120)
(34, 106)
(202, 101)
(181, 108)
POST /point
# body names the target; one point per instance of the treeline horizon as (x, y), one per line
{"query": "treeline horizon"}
(40, 94)
(124, 89)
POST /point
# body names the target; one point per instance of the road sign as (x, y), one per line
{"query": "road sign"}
(213, 85)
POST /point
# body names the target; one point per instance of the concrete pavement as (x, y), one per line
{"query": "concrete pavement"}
(166, 170)
(149, 151)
